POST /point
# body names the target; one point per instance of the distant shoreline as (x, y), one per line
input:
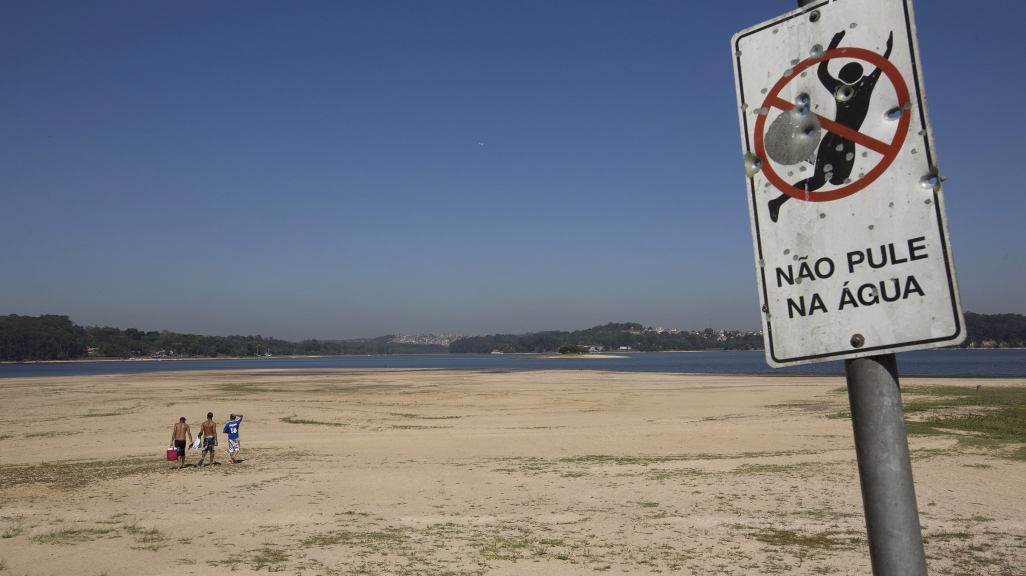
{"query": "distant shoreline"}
(511, 355)
(198, 359)
(558, 356)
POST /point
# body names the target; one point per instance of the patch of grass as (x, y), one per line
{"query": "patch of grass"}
(993, 415)
(649, 460)
(1004, 424)
(11, 533)
(673, 473)
(803, 406)
(502, 547)
(294, 420)
(233, 561)
(151, 539)
(115, 519)
(50, 434)
(797, 468)
(450, 549)
(638, 460)
(117, 412)
(271, 558)
(69, 536)
(718, 418)
(947, 537)
(279, 455)
(74, 474)
(419, 417)
(826, 540)
(6, 436)
(913, 427)
(350, 538)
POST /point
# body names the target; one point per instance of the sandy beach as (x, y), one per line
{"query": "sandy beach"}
(473, 473)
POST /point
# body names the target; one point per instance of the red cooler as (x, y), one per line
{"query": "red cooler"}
(172, 454)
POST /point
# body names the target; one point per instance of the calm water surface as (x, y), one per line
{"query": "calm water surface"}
(926, 363)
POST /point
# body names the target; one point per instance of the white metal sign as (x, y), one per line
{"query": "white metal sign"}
(848, 224)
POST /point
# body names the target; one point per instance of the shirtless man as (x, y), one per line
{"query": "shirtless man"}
(209, 432)
(178, 439)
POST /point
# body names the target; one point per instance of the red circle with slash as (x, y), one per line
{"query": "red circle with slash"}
(889, 151)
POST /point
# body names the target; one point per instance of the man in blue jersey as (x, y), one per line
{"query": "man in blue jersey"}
(232, 429)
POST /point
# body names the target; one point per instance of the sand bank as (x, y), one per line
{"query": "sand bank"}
(435, 472)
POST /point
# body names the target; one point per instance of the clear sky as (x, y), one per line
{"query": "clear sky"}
(347, 169)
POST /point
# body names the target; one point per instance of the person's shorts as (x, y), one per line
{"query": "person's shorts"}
(233, 445)
(180, 448)
(208, 444)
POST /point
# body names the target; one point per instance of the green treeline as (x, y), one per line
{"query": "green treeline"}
(43, 338)
(983, 331)
(995, 331)
(611, 337)
(50, 337)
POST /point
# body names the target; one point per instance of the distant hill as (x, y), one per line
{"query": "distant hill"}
(52, 337)
(983, 331)
(612, 336)
(995, 330)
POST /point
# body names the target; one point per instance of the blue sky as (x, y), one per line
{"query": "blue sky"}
(317, 169)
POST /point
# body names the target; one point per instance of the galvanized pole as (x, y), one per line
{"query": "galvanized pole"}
(885, 468)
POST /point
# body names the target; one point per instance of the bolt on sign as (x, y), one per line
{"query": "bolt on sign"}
(847, 210)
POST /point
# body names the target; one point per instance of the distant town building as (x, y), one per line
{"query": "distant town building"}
(437, 339)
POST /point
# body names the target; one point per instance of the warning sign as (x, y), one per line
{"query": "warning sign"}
(845, 197)
(842, 137)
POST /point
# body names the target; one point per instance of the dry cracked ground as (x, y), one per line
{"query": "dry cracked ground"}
(473, 473)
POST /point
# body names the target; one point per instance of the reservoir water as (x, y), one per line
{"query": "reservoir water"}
(978, 363)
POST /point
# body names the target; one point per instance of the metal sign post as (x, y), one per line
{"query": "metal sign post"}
(848, 225)
(885, 468)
